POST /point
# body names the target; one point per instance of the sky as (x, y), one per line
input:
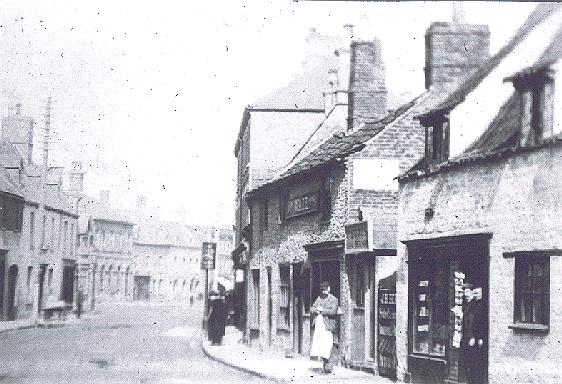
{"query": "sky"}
(149, 95)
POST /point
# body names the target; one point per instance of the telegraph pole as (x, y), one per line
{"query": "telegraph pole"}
(47, 133)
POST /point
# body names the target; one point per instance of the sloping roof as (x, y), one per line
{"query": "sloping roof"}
(340, 145)
(501, 137)
(7, 185)
(541, 12)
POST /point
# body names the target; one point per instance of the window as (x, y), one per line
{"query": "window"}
(52, 230)
(264, 219)
(72, 237)
(325, 199)
(532, 287)
(436, 138)
(65, 234)
(284, 298)
(31, 230)
(536, 89)
(28, 285)
(44, 230)
(430, 310)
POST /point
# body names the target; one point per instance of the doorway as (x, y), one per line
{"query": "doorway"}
(11, 311)
(68, 274)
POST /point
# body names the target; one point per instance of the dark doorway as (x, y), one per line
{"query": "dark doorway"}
(11, 297)
(269, 307)
(2, 273)
(141, 288)
(68, 273)
(42, 273)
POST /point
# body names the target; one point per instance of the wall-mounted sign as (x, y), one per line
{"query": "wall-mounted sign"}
(359, 237)
(302, 204)
(208, 254)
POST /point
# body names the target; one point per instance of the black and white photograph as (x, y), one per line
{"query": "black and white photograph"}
(280, 191)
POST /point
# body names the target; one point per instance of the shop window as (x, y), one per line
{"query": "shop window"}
(284, 298)
(430, 309)
(532, 287)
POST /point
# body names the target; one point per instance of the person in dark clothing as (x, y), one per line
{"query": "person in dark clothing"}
(216, 318)
(474, 335)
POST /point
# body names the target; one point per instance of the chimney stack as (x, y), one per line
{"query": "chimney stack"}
(454, 51)
(76, 178)
(18, 130)
(367, 90)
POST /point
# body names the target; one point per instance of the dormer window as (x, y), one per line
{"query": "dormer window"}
(436, 138)
(536, 90)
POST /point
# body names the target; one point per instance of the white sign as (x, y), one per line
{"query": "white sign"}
(376, 174)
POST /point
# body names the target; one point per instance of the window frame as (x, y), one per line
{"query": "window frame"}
(284, 307)
(522, 264)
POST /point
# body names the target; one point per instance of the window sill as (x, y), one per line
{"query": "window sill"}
(528, 327)
(441, 359)
(282, 328)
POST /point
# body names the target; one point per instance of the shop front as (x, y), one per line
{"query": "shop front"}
(448, 309)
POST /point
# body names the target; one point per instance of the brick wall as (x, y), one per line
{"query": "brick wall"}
(517, 200)
(454, 51)
(367, 99)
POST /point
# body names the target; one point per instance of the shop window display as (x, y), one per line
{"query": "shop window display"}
(430, 314)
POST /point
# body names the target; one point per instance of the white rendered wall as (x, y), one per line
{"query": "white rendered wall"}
(472, 117)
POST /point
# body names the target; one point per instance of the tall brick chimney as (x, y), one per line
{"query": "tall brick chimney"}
(454, 50)
(367, 90)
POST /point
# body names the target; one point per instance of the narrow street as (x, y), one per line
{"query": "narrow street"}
(131, 343)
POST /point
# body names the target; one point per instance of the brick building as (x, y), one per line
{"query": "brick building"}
(286, 117)
(342, 179)
(40, 224)
(483, 207)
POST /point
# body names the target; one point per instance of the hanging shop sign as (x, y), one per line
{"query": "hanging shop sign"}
(208, 254)
(359, 237)
(303, 204)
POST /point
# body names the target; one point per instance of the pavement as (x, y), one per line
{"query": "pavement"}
(273, 365)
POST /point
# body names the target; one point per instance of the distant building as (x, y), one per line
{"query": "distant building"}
(167, 260)
(105, 252)
(39, 268)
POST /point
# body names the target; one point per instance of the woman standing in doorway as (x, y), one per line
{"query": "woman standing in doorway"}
(325, 308)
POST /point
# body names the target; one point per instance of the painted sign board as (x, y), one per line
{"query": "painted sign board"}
(359, 237)
(208, 255)
(303, 204)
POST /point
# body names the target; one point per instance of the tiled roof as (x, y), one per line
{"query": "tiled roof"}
(501, 137)
(541, 12)
(341, 145)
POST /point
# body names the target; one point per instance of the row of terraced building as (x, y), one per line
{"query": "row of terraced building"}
(398, 205)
